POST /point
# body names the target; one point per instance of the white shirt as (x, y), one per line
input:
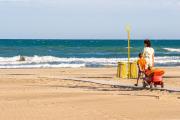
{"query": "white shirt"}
(148, 55)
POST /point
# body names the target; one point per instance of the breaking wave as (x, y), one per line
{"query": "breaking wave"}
(57, 62)
(172, 49)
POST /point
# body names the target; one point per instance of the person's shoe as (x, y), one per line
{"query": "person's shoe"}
(135, 84)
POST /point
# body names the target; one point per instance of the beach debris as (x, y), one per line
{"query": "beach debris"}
(21, 58)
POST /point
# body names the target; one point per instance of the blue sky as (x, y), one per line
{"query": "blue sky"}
(90, 19)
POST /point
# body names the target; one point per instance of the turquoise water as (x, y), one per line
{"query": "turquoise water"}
(82, 53)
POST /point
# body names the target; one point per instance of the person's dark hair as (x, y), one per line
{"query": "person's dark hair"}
(147, 42)
(140, 55)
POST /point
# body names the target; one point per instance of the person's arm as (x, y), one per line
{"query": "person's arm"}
(138, 64)
(153, 60)
(140, 68)
(144, 53)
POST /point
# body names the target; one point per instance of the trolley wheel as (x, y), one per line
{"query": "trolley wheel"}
(162, 85)
(144, 84)
(151, 85)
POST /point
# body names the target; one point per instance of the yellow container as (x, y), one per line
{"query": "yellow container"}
(133, 70)
(122, 70)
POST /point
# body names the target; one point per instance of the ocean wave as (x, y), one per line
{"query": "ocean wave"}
(172, 49)
(52, 59)
(57, 62)
(45, 66)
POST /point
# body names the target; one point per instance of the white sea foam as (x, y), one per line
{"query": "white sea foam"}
(172, 49)
(56, 62)
(45, 66)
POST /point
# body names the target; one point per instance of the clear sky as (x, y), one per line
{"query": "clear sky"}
(90, 19)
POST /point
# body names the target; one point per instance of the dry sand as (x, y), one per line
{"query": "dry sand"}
(33, 94)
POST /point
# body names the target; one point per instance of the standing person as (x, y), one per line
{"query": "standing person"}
(148, 54)
(141, 66)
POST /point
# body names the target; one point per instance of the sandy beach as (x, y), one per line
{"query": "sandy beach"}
(38, 94)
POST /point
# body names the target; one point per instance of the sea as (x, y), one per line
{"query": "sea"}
(59, 53)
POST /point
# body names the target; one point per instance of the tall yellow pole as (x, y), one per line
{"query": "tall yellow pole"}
(129, 52)
(128, 29)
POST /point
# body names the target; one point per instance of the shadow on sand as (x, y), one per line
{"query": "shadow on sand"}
(171, 77)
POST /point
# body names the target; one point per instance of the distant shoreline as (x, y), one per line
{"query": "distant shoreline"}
(56, 39)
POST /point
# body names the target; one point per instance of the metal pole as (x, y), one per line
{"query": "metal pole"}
(128, 29)
(129, 51)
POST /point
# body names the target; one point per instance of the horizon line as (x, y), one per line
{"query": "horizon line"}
(81, 39)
